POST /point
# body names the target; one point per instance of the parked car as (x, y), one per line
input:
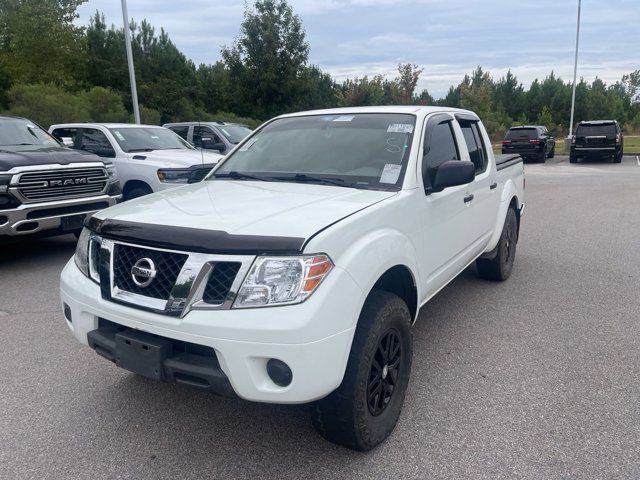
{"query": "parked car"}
(597, 139)
(149, 158)
(45, 188)
(530, 142)
(220, 136)
(295, 271)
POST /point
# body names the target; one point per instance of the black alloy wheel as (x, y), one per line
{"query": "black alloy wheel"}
(384, 372)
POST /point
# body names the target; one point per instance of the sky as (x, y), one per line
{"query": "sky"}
(447, 38)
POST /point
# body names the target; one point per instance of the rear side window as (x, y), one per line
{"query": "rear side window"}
(608, 130)
(442, 148)
(475, 145)
(182, 130)
(522, 134)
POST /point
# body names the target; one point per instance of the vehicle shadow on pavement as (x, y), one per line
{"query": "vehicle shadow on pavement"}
(29, 250)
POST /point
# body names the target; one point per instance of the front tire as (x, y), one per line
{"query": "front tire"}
(617, 158)
(552, 153)
(137, 192)
(499, 268)
(573, 159)
(365, 408)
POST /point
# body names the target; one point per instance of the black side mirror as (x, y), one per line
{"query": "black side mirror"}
(453, 173)
(209, 144)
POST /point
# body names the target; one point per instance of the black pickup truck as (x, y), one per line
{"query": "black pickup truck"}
(597, 139)
(45, 188)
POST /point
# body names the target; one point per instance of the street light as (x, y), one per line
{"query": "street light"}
(575, 71)
(132, 73)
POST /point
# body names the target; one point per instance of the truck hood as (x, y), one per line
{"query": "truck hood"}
(179, 158)
(241, 209)
(28, 155)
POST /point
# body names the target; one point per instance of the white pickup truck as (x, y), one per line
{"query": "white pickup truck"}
(148, 158)
(295, 271)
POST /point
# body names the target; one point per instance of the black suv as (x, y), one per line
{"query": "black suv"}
(530, 142)
(597, 139)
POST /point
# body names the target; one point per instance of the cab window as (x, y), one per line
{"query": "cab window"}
(441, 148)
(95, 141)
(475, 145)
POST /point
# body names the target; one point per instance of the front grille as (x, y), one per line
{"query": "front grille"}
(167, 265)
(220, 281)
(61, 184)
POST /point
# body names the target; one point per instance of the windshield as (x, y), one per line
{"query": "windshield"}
(354, 150)
(18, 131)
(522, 133)
(146, 139)
(234, 133)
(597, 130)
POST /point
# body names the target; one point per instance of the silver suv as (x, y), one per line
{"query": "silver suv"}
(218, 135)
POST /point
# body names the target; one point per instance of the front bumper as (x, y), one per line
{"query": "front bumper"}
(46, 217)
(313, 338)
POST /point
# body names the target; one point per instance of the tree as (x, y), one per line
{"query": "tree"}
(407, 81)
(38, 40)
(267, 60)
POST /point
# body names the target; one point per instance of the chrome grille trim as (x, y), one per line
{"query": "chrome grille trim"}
(56, 184)
(188, 290)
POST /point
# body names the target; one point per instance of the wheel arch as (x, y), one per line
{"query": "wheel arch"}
(400, 281)
(131, 184)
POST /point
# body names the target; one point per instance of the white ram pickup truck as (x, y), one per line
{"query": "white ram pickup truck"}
(148, 158)
(294, 272)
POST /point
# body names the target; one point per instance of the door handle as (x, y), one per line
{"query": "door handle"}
(468, 198)
(493, 186)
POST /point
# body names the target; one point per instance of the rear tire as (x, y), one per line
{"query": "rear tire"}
(365, 408)
(552, 153)
(500, 267)
(617, 158)
(573, 159)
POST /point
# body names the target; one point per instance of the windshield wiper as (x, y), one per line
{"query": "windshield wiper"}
(303, 178)
(133, 150)
(234, 175)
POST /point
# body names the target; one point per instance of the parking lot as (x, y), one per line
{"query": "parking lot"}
(534, 378)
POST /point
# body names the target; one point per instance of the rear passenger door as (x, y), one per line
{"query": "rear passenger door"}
(484, 187)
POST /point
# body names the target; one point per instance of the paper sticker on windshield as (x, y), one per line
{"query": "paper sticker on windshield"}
(248, 145)
(119, 135)
(400, 128)
(344, 118)
(391, 173)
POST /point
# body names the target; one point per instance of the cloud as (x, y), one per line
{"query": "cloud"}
(448, 38)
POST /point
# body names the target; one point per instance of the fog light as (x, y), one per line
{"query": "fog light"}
(279, 372)
(67, 313)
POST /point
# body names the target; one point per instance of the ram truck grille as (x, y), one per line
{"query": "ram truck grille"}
(62, 184)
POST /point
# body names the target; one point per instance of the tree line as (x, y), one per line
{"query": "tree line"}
(53, 70)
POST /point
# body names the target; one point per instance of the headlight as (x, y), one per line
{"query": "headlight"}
(4, 183)
(174, 175)
(275, 281)
(113, 173)
(87, 254)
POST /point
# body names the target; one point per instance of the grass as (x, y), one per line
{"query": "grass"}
(631, 146)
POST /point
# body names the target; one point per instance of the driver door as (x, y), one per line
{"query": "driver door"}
(445, 215)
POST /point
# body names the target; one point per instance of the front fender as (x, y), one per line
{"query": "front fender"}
(371, 255)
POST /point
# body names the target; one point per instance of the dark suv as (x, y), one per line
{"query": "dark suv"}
(597, 139)
(530, 142)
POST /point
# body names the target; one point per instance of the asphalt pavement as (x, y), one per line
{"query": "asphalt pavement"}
(538, 377)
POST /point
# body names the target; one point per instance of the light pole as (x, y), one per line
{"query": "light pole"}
(575, 71)
(132, 73)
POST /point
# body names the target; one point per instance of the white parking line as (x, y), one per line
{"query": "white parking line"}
(638, 160)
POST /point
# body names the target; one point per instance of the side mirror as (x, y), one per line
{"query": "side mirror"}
(453, 173)
(209, 144)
